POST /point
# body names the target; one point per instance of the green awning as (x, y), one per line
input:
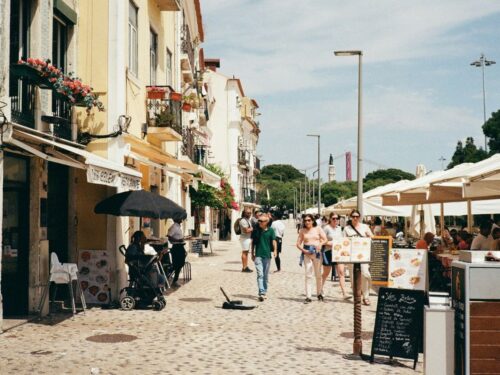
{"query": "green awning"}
(66, 11)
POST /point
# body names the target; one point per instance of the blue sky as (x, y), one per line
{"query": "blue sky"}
(420, 95)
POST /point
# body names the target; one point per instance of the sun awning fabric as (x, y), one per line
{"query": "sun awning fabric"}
(209, 178)
(99, 170)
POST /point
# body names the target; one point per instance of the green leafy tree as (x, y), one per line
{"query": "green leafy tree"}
(391, 174)
(491, 129)
(469, 153)
(286, 171)
(332, 192)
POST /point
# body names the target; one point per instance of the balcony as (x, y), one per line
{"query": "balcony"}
(22, 99)
(249, 195)
(188, 143)
(256, 167)
(187, 57)
(168, 5)
(243, 159)
(200, 155)
(164, 118)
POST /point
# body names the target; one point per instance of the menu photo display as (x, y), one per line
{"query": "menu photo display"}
(408, 269)
(351, 250)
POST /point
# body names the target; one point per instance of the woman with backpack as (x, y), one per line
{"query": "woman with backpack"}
(310, 241)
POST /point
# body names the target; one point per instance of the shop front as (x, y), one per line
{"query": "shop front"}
(49, 190)
(15, 235)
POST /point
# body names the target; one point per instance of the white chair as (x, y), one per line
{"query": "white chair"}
(63, 273)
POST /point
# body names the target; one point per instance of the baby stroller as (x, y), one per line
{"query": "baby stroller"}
(142, 291)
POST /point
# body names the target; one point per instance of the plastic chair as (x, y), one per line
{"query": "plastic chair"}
(62, 273)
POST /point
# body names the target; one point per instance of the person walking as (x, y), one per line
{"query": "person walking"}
(246, 230)
(333, 231)
(178, 252)
(263, 243)
(279, 230)
(355, 228)
(310, 240)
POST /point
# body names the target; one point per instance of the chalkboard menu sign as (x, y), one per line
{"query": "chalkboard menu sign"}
(379, 267)
(398, 328)
(197, 245)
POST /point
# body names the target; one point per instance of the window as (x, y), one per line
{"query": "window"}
(168, 68)
(133, 41)
(59, 44)
(153, 56)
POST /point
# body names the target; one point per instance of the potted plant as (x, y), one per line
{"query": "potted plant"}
(154, 92)
(164, 118)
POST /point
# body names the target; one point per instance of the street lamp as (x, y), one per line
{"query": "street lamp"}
(319, 185)
(357, 347)
(481, 63)
(305, 188)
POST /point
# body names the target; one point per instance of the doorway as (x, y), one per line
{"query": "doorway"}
(15, 236)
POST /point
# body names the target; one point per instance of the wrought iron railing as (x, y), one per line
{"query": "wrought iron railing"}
(200, 155)
(61, 109)
(22, 99)
(242, 158)
(187, 45)
(188, 143)
(249, 195)
(165, 113)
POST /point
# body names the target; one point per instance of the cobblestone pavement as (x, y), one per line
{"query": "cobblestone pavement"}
(194, 335)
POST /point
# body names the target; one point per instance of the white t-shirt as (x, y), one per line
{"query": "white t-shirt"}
(481, 242)
(175, 233)
(332, 233)
(244, 225)
(279, 228)
(363, 229)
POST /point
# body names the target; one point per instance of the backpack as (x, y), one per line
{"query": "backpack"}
(236, 226)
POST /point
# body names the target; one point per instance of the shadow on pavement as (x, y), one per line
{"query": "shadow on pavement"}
(317, 350)
(249, 296)
(364, 335)
(200, 299)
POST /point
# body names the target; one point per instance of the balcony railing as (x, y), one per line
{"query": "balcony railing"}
(164, 113)
(22, 99)
(243, 159)
(249, 195)
(62, 113)
(200, 155)
(188, 143)
(257, 164)
(187, 45)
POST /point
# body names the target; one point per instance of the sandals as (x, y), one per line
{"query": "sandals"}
(366, 302)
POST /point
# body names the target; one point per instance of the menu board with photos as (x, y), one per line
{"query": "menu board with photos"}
(351, 250)
(93, 275)
(408, 269)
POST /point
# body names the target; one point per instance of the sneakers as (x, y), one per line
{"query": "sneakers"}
(261, 298)
(307, 300)
(247, 270)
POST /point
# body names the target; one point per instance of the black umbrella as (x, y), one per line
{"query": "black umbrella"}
(140, 203)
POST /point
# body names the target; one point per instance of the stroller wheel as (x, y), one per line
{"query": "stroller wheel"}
(127, 303)
(157, 306)
(163, 304)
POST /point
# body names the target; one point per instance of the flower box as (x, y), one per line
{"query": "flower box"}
(186, 107)
(29, 74)
(175, 96)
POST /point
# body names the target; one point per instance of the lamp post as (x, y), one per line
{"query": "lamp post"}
(319, 185)
(481, 63)
(357, 347)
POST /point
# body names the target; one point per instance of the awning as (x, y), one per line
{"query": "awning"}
(150, 152)
(99, 170)
(209, 178)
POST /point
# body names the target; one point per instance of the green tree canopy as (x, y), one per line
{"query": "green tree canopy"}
(274, 171)
(334, 191)
(391, 174)
(491, 129)
(469, 153)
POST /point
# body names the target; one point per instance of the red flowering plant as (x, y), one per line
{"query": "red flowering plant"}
(226, 194)
(67, 85)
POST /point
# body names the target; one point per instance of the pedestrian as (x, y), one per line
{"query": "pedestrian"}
(263, 244)
(279, 230)
(311, 239)
(333, 231)
(246, 230)
(319, 222)
(178, 252)
(298, 223)
(255, 219)
(355, 228)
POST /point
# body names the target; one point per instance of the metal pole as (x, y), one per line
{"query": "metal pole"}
(484, 103)
(319, 179)
(360, 139)
(300, 196)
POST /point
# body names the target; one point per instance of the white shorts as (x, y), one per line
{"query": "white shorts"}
(245, 244)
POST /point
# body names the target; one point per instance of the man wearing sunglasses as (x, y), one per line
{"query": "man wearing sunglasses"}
(263, 243)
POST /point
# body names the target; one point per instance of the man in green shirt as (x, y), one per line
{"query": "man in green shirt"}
(263, 243)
